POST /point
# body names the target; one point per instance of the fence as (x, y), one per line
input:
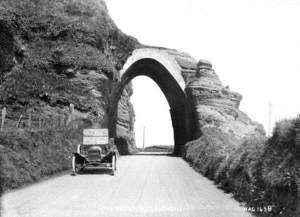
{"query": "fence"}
(32, 121)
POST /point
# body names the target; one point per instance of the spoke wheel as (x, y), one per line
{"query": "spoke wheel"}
(113, 165)
(74, 166)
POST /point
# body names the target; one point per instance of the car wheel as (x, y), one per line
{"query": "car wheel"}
(74, 166)
(113, 165)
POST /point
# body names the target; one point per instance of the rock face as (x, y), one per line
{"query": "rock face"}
(125, 139)
(194, 89)
(53, 53)
(222, 127)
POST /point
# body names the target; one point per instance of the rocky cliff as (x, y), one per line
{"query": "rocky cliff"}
(233, 150)
(222, 127)
(53, 53)
(125, 123)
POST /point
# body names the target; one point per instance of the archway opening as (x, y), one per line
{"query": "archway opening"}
(153, 124)
(173, 92)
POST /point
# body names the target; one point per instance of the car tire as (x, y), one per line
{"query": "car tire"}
(113, 165)
(74, 166)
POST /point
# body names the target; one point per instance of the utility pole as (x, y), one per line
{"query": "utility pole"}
(143, 138)
(270, 119)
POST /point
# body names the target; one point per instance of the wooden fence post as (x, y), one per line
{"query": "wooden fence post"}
(58, 120)
(50, 123)
(71, 109)
(19, 121)
(54, 121)
(3, 118)
(29, 119)
(40, 124)
(62, 120)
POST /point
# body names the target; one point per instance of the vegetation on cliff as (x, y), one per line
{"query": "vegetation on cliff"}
(27, 156)
(58, 52)
(54, 53)
(261, 172)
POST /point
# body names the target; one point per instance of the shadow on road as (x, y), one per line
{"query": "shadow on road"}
(94, 171)
(155, 154)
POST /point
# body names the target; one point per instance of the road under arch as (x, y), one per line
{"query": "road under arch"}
(164, 69)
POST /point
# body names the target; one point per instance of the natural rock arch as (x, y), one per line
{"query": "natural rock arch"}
(165, 67)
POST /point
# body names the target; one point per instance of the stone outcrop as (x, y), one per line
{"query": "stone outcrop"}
(222, 127)
(159, 64)
(199, 103)
(53, 53)
(218, 106)
(217, 123)
(125, 137)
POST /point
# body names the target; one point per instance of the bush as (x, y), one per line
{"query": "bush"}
(29, 156)
(257, 171)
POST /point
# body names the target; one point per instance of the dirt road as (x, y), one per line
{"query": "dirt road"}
(156, 186)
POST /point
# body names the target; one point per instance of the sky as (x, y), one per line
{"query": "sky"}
(254, 46)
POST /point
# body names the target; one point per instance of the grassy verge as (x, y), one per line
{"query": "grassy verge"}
(29, 156)
(157, 148)
(264, 174)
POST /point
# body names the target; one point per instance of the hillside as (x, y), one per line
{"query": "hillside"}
(233, 150)
(54, 53)
(61, 52)
(262, 173)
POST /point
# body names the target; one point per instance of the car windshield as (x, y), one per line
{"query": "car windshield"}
(104, 147)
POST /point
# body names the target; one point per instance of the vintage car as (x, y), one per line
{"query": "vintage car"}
(96, 150)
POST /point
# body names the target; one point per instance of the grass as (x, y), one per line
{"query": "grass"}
(157, 148)
(48, 49)
(29, 156)
(53, 53)
(259, 172)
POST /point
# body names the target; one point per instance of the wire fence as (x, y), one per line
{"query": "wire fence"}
(33, 121)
